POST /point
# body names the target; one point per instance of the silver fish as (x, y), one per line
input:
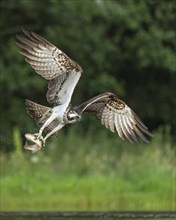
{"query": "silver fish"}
(36, 145)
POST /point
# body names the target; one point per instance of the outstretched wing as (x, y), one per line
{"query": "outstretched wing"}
(116, 116)
(52, 64)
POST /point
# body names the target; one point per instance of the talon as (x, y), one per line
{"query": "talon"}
(36, 135)
(43, 142)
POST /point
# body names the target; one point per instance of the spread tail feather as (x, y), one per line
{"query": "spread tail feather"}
(39, 112)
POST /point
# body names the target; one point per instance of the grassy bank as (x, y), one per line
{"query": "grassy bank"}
(83, 173)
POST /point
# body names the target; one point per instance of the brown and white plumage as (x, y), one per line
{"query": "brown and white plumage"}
(116, 116)
(52, 64)
(63, 75)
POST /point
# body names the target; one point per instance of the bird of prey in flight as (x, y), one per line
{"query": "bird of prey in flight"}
(63, 75)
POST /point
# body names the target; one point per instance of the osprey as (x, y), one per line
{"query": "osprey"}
(63, 75)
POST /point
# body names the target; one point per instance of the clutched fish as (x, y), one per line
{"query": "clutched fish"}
(34, 148)
(33, 143)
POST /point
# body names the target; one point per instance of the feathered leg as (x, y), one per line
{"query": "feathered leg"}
(47, 122)
(53, 131)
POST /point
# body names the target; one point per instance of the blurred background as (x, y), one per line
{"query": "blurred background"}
(123, 46)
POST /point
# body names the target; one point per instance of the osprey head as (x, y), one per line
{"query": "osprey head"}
(73, 117)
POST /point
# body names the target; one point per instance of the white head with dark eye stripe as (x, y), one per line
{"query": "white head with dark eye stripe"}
(73, 117)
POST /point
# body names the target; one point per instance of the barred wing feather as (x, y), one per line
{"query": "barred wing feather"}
(116, 116)
(51, 63)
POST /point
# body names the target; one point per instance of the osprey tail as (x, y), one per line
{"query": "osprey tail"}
(39, 112)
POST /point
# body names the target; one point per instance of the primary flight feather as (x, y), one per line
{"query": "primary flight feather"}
(63, 75)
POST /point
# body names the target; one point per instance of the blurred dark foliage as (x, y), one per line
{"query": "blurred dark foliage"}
(123, 46)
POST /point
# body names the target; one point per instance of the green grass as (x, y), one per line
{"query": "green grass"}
(69, 193)
(89, 175)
